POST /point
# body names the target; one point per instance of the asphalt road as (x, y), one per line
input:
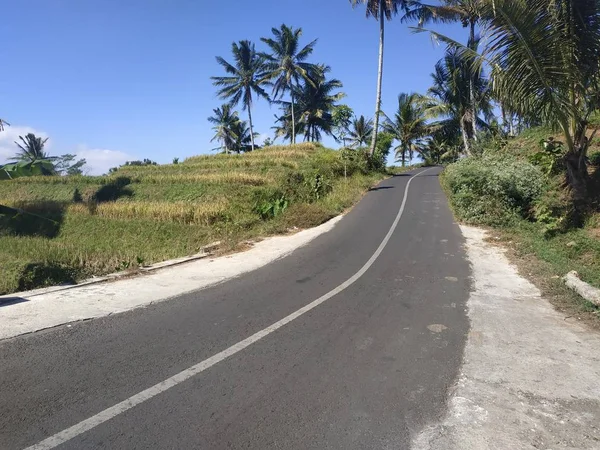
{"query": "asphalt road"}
(366, 369)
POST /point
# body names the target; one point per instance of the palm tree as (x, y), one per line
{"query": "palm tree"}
(381, 10)
(243, 142)
(247, 76)
(545, 67)
(449, 99)
(286, 64)
(31, 149)
(408, 125)
(315, 104)
(225, 122)
(2, 123)
(342, 119)
(360, 132)
(467, 12)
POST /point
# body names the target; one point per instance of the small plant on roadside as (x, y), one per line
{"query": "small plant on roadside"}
(550, 157)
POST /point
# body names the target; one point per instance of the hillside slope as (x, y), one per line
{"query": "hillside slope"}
(518, 188)
(63, 229)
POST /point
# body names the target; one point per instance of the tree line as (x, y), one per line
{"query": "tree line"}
(538, 65)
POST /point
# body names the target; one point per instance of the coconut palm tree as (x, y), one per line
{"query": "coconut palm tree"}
(408, 126)
(381, 10)
(449, 99)
(316, 101)
(31, 149)
(545, 67)
(360, 132)
(467, 12)
(33, 157)
(246, 77)
(286, 64)
(225, 122)
(243, 142)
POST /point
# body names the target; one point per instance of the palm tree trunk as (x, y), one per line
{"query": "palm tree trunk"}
(293, 118)
(465, 135)
(251, 129)
(379, 77)
(472, 85)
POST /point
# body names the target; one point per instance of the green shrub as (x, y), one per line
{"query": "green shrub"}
(493, 189)
(36, 275)
(595, 159)
(269, 203)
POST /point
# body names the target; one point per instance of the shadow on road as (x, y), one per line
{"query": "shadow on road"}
(11, 301)
(380, 188)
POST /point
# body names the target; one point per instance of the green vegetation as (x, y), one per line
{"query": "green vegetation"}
(57, 229)
(519, 189)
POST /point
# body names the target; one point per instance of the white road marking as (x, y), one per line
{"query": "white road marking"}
(103, 416)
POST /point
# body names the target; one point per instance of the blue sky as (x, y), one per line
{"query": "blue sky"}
(114, 80)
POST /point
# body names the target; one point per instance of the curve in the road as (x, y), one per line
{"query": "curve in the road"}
(109, 413)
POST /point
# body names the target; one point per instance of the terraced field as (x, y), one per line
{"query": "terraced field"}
(63, 229)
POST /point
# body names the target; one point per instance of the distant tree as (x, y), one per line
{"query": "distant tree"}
(449, 97)
(267, 142)
(407, 126)
(360, 132)
(31, 148)
(469, 14)
(286, 65)
(144, 162)
(315, 103)
(175, 160)
(342, 118)
(243, 141)
(67, 165)
(381, 10)
(225, 121)
(246, 77)
(3, 123)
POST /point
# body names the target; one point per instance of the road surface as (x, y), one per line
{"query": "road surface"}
(366, 368)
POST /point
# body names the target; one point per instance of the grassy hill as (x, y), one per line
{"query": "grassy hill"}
(60, 229)
(518, 189)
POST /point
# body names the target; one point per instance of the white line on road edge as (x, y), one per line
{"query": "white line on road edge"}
(119, 408)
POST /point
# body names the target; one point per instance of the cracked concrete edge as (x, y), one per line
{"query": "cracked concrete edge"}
(34, 311)
(528, 378)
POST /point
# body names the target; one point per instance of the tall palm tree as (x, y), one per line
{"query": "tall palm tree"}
(545, 67)
(31, 149)
(381, 10)
(360, 132)
(449, 99)
(545, 64)
(246, 76)
(408, 125)
(316, 101)
(286, 64)
(225, 122)
(467, 12)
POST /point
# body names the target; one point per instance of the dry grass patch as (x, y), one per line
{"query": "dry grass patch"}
(179, 212)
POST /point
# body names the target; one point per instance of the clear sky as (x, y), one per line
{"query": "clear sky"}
(114, 80)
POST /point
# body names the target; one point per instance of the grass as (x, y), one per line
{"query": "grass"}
(524, 207)
(146, 214)
(545, 261)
